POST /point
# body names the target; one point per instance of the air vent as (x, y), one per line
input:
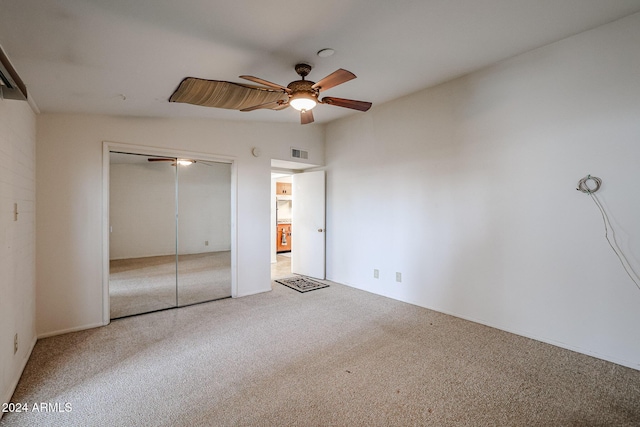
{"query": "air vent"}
(296, 153)
(11, 86)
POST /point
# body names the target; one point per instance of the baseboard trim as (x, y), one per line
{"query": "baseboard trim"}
(254, 293)
(66, 331)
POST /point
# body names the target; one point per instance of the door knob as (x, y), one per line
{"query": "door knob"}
(320, 230)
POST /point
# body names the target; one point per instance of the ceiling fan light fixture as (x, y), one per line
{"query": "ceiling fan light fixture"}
(185, 162)
(303, 101)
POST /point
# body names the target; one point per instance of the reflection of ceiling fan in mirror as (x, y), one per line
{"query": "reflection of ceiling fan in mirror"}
(175, 161)
(303, 95)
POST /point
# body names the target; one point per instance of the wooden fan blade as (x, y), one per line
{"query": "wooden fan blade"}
(270, 105)
(222, 94)
(334, 79)
(347, 103)
(282, 106)
(266, 83)
(306, 117)
(161, 159)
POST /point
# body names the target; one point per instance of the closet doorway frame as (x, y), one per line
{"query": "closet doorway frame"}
(108, 147)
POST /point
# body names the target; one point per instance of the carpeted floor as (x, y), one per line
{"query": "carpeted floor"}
(335, 357)
(141, 285)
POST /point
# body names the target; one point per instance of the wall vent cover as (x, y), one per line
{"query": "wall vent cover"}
(296, 153)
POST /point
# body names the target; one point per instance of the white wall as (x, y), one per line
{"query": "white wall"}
(17, 240)
(204, 208)
(142, 209)
(468, 190)
(69, 191)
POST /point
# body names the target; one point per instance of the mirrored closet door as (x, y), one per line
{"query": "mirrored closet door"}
(204, 232)
(170, 232)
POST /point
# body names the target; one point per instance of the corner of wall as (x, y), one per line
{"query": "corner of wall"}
(17, 257)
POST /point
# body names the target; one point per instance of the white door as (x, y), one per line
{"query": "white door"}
(307, 226)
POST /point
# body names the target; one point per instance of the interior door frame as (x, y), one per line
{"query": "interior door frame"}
(109, 146)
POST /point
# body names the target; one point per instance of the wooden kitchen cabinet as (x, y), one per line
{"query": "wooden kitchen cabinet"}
(283, 188)
(283, 245)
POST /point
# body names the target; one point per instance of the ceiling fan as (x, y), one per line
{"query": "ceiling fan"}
(303, 95)
(175, 161)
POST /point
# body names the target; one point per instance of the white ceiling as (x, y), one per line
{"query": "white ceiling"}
(125, 57)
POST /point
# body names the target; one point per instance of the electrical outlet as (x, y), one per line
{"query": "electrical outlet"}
(15, 344)
(206, 243)
(376, 273)
(398, 277)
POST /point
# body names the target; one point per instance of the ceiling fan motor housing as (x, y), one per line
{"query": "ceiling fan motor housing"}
(303, 88)
(303, 70)
(300, 87)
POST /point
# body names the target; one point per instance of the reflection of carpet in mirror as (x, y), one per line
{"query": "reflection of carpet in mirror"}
(140, 285)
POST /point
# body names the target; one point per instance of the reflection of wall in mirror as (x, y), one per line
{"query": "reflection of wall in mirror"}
(204, 195)
(142, 209)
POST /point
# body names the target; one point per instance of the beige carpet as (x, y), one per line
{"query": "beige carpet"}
(140, 285)
(334, 357)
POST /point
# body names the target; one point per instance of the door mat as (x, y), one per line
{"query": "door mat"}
(302, 284)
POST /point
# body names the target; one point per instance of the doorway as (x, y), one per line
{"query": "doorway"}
(170, 232)
(281, 224)
(298, 224)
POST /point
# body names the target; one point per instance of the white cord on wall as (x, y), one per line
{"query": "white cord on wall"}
(583, 186)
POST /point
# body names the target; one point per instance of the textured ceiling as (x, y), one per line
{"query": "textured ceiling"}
(125, 57)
